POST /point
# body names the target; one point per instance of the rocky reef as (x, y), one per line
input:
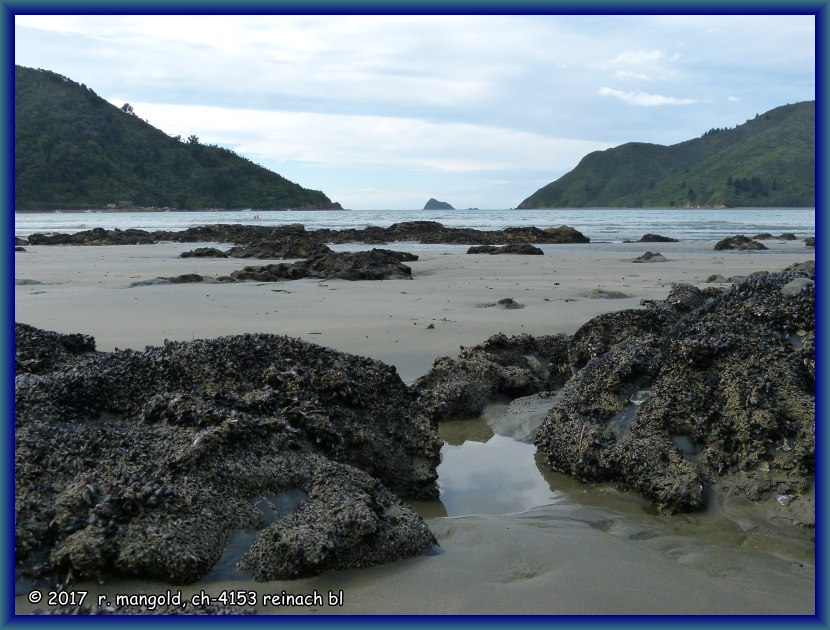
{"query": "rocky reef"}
(712, 388)
(144, 463)
(294, 241)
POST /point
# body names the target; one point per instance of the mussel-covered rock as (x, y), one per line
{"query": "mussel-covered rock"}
(705, 387)
(461, 387)
(143, 463)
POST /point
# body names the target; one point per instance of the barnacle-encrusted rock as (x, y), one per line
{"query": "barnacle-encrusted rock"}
(143, 463)
(703, 387)
(511, 366)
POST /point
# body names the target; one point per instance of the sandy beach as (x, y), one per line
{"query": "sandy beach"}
(591, 549)
(87, 289)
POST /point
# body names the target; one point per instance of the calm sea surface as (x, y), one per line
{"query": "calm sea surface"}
(598, 224)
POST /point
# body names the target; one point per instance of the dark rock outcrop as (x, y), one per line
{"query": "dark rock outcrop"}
(703, 388)
(461, 387)
(376, 264)
(649, 257)
(766, 236)
(810, 241)
(288, 247)
(185, 278)
(258, 241)
(513, 248)
(143, 463)
(738, 242)
(656, 238)
(96, 236)
(204, 252)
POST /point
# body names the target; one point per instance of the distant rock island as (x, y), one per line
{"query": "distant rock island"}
(768, 161)
(434, 204)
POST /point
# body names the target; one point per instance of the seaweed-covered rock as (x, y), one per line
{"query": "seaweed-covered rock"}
(508, 366)
(376, 264)
(143, 463)
(739, 242)
(810, 241)
(704, 387)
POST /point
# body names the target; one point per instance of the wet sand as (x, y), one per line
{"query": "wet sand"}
(554, 546)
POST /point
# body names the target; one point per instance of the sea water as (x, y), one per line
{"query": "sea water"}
(598, 224)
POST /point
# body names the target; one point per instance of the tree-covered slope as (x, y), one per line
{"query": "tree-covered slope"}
(73, 149)
(767, 161)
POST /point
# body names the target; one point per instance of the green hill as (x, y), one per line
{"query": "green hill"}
(73, 149)
(767, 161)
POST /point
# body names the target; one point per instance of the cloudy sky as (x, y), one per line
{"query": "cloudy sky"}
(388, 111)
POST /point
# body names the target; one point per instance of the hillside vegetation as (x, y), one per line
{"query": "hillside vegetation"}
(767, 161)
(75, 150)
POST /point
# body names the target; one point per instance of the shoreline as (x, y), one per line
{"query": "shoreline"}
(595, 551)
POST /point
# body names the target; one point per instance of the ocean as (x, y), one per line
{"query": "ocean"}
(598, 224)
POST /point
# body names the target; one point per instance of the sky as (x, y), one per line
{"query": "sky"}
(387, 111)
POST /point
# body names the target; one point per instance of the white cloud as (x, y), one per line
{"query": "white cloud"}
(624, 75)
(733, 99)
(368, 141)
(644, 98)
(637, 57)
